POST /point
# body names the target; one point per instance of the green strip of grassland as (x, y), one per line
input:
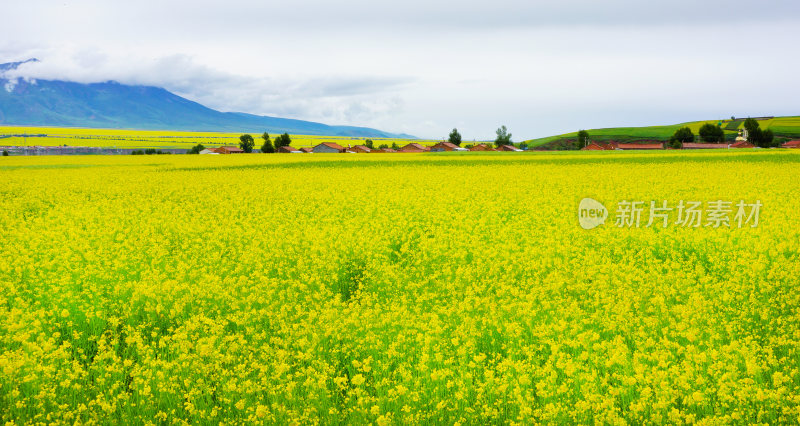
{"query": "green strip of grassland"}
(783, 127)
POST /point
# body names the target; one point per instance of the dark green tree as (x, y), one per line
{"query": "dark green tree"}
(5, 153)
(282, 140)
(455, 137)
(395, 146)
(503, 137)
(751, 125)
(768, 139)
(756, 137)
(681, 136)
(369, 144)
(267, 147)
(196, 149)
(383, 146)
(754, 134)
(711, 133)
(583, 139)
(246, 143)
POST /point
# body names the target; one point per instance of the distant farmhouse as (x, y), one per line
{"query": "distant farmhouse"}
(414, 147)
(228, 150)
(286, 149)
(328, 148)
(360, 149)
(482, 147)
(447, 146)
(509, 148)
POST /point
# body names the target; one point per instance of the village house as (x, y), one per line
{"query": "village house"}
(446, 146)
(414, 147)
(307, 149)
(481, 147)
(509, 148)
(694, 145)
(600, 146)
(382, 150)
(328, 148)
(229, 150)
(792, 144)
(640, 146)
(741, 144)
(360, 149)
(209, 151)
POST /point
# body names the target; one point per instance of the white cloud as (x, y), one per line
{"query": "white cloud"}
(424, 67)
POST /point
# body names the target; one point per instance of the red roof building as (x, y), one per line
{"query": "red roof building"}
(382, 150)
(600, 146)
(792, 144)
(640, 146)
(289, 150)
(360, 149)
(741, 144)
(481, 147)
(327, 148)
(692, 145)
(414, 147)
(229, 150)
(595, 146)
(307, 149)
(509, 148)
(446, 146)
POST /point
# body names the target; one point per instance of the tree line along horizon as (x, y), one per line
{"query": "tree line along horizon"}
(708, 133)
(247, 142)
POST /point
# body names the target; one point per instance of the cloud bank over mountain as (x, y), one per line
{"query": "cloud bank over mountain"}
(423, 67)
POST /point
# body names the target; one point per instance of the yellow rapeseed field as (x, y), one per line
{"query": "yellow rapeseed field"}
(121, 138)
(396, 289)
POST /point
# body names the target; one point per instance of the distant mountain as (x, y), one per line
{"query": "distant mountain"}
(115, 105)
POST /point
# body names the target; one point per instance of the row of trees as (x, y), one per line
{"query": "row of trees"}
(246, 142)
(758, 137)
(710, 133)
(148, 151)
(503, 137)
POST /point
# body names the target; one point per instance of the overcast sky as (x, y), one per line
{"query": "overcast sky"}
(426, 66)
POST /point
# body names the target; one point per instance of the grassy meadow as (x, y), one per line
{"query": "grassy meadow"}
(781, 126)
(389, 289)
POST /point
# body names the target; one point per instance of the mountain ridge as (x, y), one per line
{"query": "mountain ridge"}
(115, 105)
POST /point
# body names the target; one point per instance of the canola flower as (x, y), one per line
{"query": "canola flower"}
(394, 289)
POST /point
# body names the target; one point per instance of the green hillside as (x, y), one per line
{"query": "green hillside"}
(783, 127)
